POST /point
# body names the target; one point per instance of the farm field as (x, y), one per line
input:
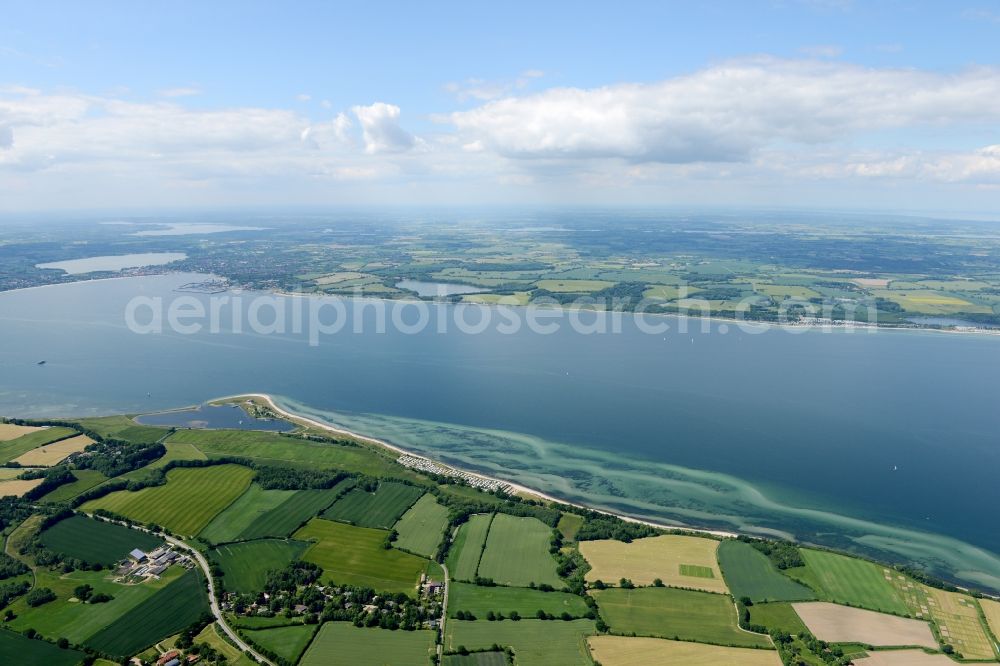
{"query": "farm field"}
(287, 642)
(272, 447)
(840, 624)
(261, 622)
(165, 613)
(190, 498)
(343, 644)
(750, 573)
(241, 514)
(569, 524)
(9, 431)
(491, 658)
(535, 642)
(991, 609)
(380, 509)
(13, 448)
(85, 480)
(17, 487)
(245, 564)
(174, 452)
(517, 553)
(210, 635)
(356, 556)
(957, 620)
(778, 615)
(287, 517)
(848, 580)
(481, 600)
(422, 527)
(467, 549)
(904, 658)
(95, 541)
(76, 621)
(51, 454)
(623, 651)
(672, 613)
(573, 286)
(122, 427)
(18, 649)
(665, 557)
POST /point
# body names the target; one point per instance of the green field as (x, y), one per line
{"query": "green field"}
(379, 509)
(343, 644)
(480, 600)
(85, 480)
(848, 580)
(122, 427)
(422, 527)
(517, 553)
(535, 642)
(165, 613)
(779, 616)
(77, 621)
(477, 659)
(356, 556)
(285, 518)
(749, 573)
(191, 497)
(467, 549)
(95, 541)
(286, 642)
(241, 514)
(667, 612)
(15, 448)
(569, 525)
(272, 447)
(245, 564)
(17, 649)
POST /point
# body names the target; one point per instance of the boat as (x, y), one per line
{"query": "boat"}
(41, 363)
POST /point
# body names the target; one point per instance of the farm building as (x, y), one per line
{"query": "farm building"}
(137, 555)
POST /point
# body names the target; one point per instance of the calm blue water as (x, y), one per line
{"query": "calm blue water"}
(216, 417)
(817, 435)
(431, 289)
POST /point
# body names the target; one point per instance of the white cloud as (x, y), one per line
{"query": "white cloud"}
(728, 111)
(380, 129)
(6, 137)
(303, 97)
(484, 90)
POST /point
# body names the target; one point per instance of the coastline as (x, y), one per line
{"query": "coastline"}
(531, 492)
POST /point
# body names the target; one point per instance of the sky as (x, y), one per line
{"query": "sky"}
(815, 104)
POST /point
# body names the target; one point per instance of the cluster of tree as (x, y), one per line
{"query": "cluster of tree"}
(10, 567)
(39, 596)
(186, 638)
(293, 478)
(52, 478)
(600, 526)
(10, 591)
(85, 593)
(464, 651)
(570, 565)
(460, 509)
(624, 296)
(291, 578)
(13, 510)
(783, 554)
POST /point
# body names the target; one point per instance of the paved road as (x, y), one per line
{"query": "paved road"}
(212, 600)
(444, 610)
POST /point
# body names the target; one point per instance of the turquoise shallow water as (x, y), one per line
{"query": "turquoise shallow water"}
(885, 442)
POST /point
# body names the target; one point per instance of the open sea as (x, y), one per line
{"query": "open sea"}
(886, 443)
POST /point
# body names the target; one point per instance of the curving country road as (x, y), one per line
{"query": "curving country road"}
(212, 600)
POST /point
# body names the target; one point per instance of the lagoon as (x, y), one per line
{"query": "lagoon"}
(881, 442)
(114, 262)
(437, 289)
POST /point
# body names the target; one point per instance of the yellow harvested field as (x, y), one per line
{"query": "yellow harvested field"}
(50, 454)
(573, 286)
(957, 619)
(663, 557)
(622, 651)
(903, 658)
(17, 487)
(9, 431)
(842, 624)
(992, 611)
(871, 282)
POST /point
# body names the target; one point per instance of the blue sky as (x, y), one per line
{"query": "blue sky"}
(888, 105)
